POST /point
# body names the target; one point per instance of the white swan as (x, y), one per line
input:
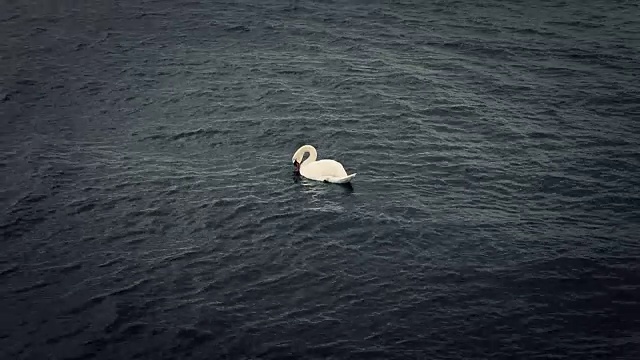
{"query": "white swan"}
(320, 170)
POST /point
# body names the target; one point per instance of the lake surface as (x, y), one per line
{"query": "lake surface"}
(149, 207)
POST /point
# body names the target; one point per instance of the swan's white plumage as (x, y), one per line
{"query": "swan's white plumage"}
(320, 170)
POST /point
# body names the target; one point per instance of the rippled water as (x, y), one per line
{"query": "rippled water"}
(149, 207)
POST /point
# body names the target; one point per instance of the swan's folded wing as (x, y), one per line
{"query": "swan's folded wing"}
(326, 168)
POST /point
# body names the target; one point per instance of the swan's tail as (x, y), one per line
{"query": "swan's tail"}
(343, 180)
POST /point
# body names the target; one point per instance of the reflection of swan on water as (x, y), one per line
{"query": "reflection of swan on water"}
(321, 198)
(326, 170)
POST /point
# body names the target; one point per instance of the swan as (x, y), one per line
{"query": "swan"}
(326, 170)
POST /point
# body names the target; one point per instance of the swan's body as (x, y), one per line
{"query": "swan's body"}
(320, 170)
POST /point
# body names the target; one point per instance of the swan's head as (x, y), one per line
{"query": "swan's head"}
(296, 163)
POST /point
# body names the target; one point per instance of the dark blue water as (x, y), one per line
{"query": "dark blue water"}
(149, 209)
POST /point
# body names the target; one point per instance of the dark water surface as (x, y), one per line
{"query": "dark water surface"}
(148, 207)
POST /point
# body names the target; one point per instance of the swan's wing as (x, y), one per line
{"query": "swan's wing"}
(322, 169)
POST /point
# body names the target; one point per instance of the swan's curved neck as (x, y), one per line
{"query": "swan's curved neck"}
(313, 154)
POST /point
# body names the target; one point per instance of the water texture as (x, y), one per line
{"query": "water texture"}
(149, 209)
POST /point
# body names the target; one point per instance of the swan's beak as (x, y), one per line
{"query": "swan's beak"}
(297, 165)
